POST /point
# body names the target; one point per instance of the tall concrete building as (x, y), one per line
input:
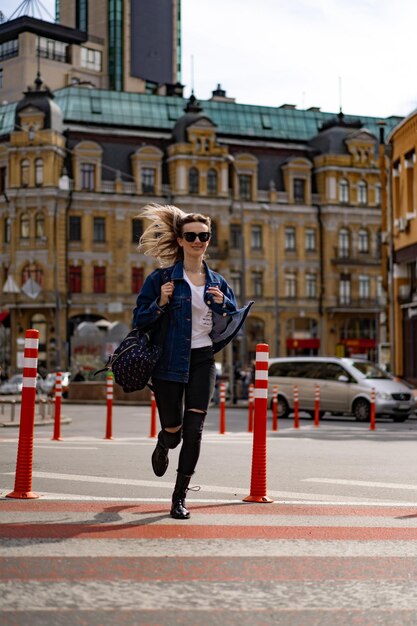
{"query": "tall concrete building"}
(122, 45)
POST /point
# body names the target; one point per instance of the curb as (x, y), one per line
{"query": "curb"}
(64, 420)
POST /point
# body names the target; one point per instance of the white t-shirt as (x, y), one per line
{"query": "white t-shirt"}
(201, 317)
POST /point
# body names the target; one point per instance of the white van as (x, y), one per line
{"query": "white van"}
(345, 387)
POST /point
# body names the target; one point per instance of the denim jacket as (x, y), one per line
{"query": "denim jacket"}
(171, 325)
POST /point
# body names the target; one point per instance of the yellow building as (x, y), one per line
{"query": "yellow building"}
(293, 195)
(403, 243)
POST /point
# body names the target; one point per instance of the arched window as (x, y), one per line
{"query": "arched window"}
(39, 226)
(363, 241)
(344, 243)
(212, 182)
(24, 226)
(32, 270)
(344, 190)
(193, 180)
(362, 192)
(24, 172)
(38, 172)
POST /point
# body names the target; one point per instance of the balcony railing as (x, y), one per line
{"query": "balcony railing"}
(354, 258)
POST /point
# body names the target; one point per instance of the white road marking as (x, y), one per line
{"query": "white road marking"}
(360, 483)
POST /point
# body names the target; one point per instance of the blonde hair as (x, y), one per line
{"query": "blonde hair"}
(159, 239)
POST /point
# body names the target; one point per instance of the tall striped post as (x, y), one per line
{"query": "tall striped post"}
(23, 476)
(258, 476)
(109, 419)
(58, 400)
(222, 429)
(296, 408)
(275, 407)
(251, 407)
(317, 406)
(372, 425)
(153, 416)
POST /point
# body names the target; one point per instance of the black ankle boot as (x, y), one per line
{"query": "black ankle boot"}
(160, 459)
(178, 510)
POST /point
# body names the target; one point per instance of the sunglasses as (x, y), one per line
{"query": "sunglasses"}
(190, 237)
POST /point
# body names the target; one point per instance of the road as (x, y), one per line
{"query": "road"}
(338, 542)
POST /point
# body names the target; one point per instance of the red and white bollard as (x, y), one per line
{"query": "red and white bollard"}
(317, 406)
(23, 476)
(222, 408)
(258, 476)
(275, 407)
(372, 424)
(251, 407)
(153, 416)
(109, 394)
(58, 400)
(296, 408)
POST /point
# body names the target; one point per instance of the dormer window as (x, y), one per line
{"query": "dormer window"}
(245, 186)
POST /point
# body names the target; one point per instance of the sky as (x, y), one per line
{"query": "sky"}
(351, 54)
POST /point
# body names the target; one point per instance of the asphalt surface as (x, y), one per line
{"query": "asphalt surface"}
(336, 545)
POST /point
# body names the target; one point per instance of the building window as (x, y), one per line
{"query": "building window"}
(75, 279)
(344, 191)
(310, 239)
(137, 279)
(236, 282)
(74, 228)
(245, 181)
(257, 282)
(311, 286)
(7, 229)
(39, 226)
(289, 239)
(52, 49)
(290, 286)
(38, 172)
(364, 287)
(212, 182)
(81, 15)
(256, 237)
(24, 226)
(235, 236)
(378, 194)
(88, 176)
(1, 78)
(299, 190)
(362, 192)
(363, 241)
(91, 59)
(344, 289)
(3, 174)
(213, 230)
(193, 179)
(24, 172)
(99, 279)
(344, 243)
(34, 272)
(9, 49)
(137, 230)
(148, 179)
(99, 230)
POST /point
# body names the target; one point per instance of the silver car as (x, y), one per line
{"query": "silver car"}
(345, 387)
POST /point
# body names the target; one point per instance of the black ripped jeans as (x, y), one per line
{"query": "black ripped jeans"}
(186, 405)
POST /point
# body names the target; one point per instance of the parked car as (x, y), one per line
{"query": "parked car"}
(48, 384)
(345, 387)
(14, 385)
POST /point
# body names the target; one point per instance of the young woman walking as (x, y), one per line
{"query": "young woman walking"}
(192, 312)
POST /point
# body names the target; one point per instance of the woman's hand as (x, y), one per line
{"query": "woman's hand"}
(218, 296)
(167, 289)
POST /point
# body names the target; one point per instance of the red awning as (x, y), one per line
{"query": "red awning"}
(303, 344)
(359, 343)
(3, 316)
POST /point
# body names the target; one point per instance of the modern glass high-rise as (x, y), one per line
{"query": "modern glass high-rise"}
(140, 39)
